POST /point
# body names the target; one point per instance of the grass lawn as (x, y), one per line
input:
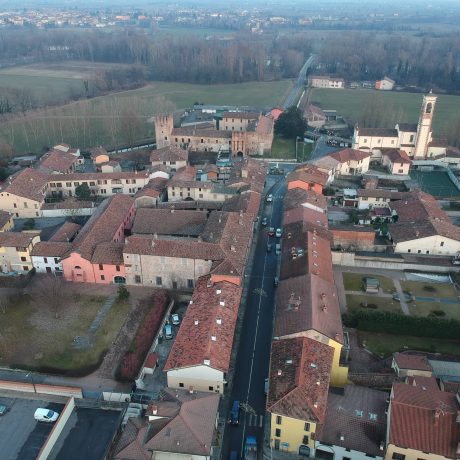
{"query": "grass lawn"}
(350, 103)
(386, 344)
(436, 183)
(428, 289)
(419, 308)
(383, 303)
(30, 335)
(354, 282)
(102, 120)
(285, 149)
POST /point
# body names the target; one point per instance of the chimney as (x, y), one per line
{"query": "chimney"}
(154, 410)
(315, 405)
(382, 445)
(280, 372)
(232, 248)
(196, 322)
(342, 437)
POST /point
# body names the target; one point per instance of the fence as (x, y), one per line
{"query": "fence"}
(40, 388)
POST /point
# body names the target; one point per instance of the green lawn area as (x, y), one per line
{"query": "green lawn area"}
(436, 183)
(354, 282)
(429, 289)
(30, 335)
(285, 149)
(351, 102)
(105, 120)
(354, 302)
(386, 344)
(421, 308)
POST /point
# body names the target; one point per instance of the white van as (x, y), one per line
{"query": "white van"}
(45, 415)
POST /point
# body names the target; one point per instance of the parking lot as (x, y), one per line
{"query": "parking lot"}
(21, 436)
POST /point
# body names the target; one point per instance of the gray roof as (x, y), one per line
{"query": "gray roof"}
(449, 370)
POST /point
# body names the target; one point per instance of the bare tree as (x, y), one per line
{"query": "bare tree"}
(50, 291)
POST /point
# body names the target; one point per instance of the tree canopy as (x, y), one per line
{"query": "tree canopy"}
(83, 192)
(291, 123)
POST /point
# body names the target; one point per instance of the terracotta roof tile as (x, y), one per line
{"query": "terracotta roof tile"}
(349, 154)
(296, 197)
(4, 218)
(396, 156)
(16, 239)
(208, 327)
(58, 161)
(204, 133)
(242, 115)
(299, 378)
(308, 174)
(169, 153)
(378, 132)
(66, 232)
(414, 362)
(51, 249)
(108, 253)
(29, 183)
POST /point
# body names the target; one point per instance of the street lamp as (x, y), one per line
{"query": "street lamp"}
(32, 380)
(296, 139)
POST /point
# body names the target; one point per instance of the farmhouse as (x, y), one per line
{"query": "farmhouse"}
(324, 81)
(15, 251)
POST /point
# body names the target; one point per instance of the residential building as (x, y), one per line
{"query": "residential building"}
(409, 365)
(354, 426)
(200, 356)
(315, 116)
(386, 84)
(97, 251)
(6, 221)
(299, 376)
(24, 193)
(353, 237)
(422, 227)
(172, 157)
(307, 177)
(397, 161)
(153, 193)
(180, 425)
(238, 121)
(423, 422)
(99, 156)
(47, 256)
(370, 198)
(15, 251)
(325, 81)
(111, 166)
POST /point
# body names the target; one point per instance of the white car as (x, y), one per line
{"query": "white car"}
(269, 198)
(175, 319)
(45, 415)
(279, 232)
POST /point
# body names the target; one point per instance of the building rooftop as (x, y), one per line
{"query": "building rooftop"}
(407, 127)
(412, 362)
(295, 197)
(57, 161)
(242, 115)
(308, 174)
(349, 154)
(66, 232)
(204, 133)
(16, 239)
(169, 153)
(397, 156)
(377, 132)
(299, 378)
(28, 183)
(109, 253)
(4, 218)
(51, 249)
(206, 333)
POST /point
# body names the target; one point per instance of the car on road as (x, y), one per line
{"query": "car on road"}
(45, 415)
(269, 198)
(168, 332)
(278, 249)
(269, 247)
(3, 409)
(266, 386)
(235, 413)
(271, 231)
(279, 232)
(264, 222)
(175, 319)
(276, 281)
(407, 296)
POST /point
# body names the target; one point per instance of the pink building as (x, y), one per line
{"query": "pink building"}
(97, 252)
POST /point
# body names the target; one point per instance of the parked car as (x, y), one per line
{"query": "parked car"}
(175, 319)
(269, 247)
(264, 222)
(235, 413)
(269, 198)
(279, 232)
(278, 249)
(168, 331)
(271, 231)
(276, 281)
(45, 415)
(408, 297)
(266, 386)
(3, 409)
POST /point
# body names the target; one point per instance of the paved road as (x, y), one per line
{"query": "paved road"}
(321, 149)
(253, 356)
(291, 99)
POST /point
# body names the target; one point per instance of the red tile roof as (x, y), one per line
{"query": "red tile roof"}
(242, 115)
(108, 253)
(51, 249)
(296, 197)
(29, 183)
(208, 327)
(66, 232)
(58, 161)
(349, 154)
(413, 362)
(4, 218)
(424, 420)
(304, 214)
(396, 156)
(308, 174)
(300, 370)
(16, 239)
(204, 133)
(169, 153)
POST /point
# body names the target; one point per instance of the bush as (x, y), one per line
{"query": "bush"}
(394, 323)
(437, 313)
(123, 293)
(142, 341)
(429, 288)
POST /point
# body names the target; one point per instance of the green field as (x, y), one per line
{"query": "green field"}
(285, 148)
(355, 301)
(354, 282)
(350, 104)
(436, 183)
(115, 118)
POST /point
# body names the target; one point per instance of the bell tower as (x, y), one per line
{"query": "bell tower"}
(424, 127)
(164, 125)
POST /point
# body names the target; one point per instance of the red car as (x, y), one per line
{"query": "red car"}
(271, 231)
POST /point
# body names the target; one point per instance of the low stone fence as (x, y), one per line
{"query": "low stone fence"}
(40, 388)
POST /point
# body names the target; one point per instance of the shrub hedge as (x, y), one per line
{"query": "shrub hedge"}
(394, 323)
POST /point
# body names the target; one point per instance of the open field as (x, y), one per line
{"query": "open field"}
(421, 308)
(428, 289)
(31, 336)
(354, 302)
(350, 103)
(111, 119)
(386, 344)
(285, 148)
(354, 282)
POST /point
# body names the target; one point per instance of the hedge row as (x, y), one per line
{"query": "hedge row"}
(134, 357)
(394, 323)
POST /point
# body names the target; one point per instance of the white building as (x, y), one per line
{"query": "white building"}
(325, 81)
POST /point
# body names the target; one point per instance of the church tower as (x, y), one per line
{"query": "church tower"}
(424, 129)
(164, 125)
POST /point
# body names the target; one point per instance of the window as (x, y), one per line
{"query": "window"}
(408, 250)
(181, 385)
(159, 281)
(137, 279)
(279, 419)
(398, 456)
(190, 283)
(15, 205)
(442, 243)
(411, 139)
(101, 267)
(56, 260)
(427, 252)
(211, 388)
(429, 107)
(23, 259)
(25, 204)
(278, 433)
(305, 440)
(45, 259)
(102, 278)
(117, 268)
(202, 140)
(419, 251)
(26, 269)
(306, 427)
(200, 195)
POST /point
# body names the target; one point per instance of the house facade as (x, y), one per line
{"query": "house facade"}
(324, 81)
(15, 251)
(6, 221)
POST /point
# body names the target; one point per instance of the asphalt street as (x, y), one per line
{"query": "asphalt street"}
(321, 148)
(252, 362)
(291, 99)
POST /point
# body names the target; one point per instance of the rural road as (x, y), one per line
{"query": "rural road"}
(291, 98)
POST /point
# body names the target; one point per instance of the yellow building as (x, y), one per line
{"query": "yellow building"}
(15, 249)
(300, 371)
